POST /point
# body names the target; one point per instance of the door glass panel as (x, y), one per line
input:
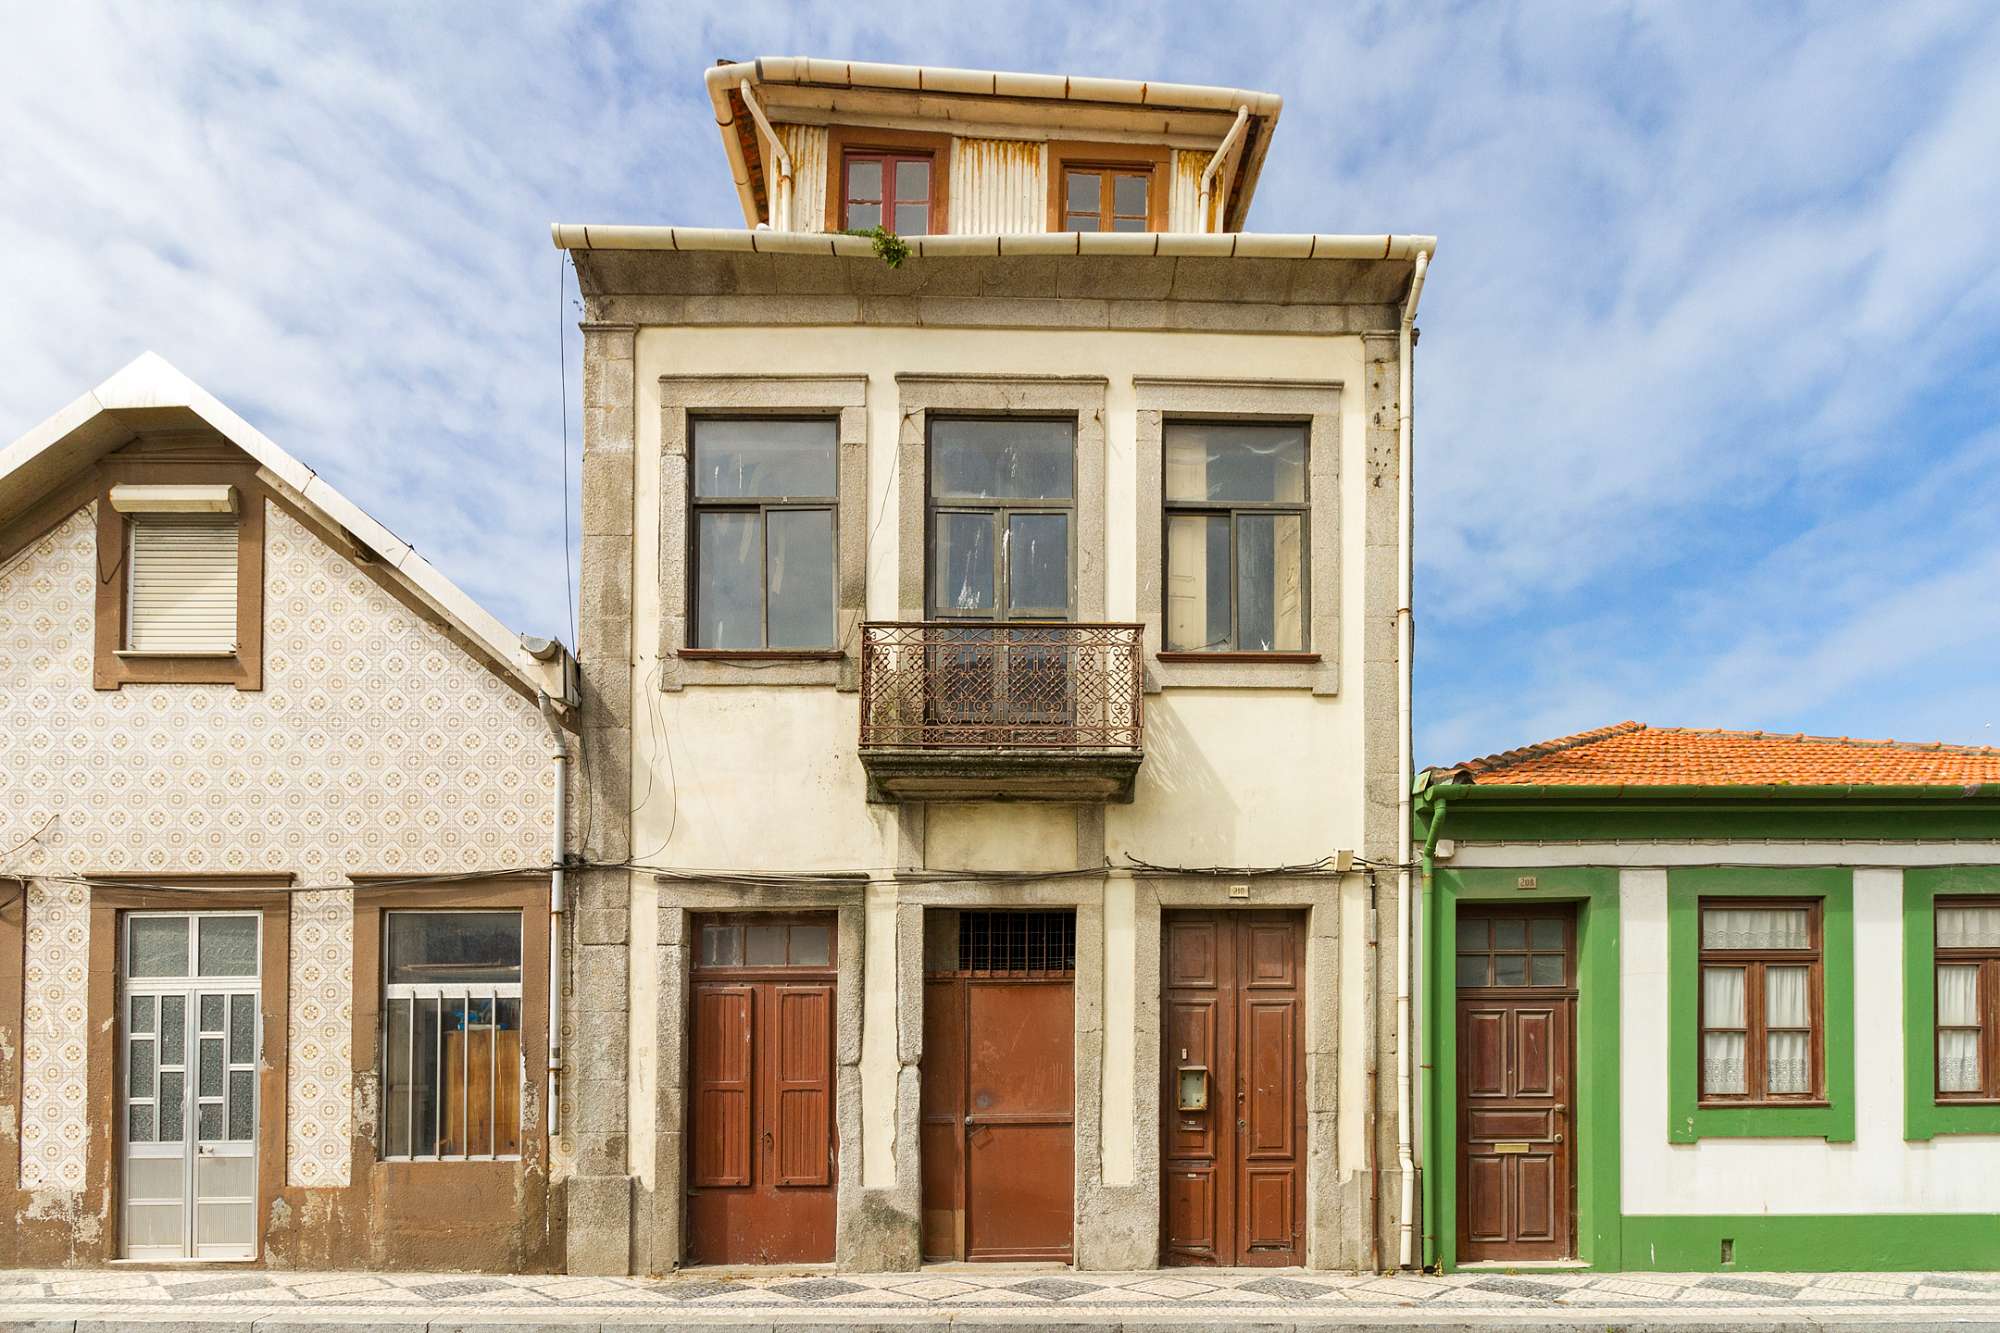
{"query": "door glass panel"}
(159, 947)
(139, 1069)
(721, 946)
(1545, 934)
(140, 1130)
(210, 1130)
(767, 459)
(227, 946)
(1510, 969)
(173, 1030)
(1038, 563)
(1270, 571)
(1010, 458)
(765, 946)
(142, 1013)
(1510, 933)
(1546, 970)
(1197, 582)
(211, 1013)
(210, 1084)
(728, 591)
(172, 1085)
(1472, 969)
(799, 578)
(1473, 933)
(242, 1029)
(242, 1103)
(963, 558)
(812, 946)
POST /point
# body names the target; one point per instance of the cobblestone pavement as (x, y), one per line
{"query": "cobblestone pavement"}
(221, 1298)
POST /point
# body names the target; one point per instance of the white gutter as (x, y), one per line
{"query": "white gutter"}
(1229, 142)
(719, 78)
(779, 219)
(559, 753)
(1405, 942)
(1189, 245)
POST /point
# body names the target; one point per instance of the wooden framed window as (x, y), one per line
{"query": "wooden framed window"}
(1002, 518)
(1107, 187)
(737, 941)
(1761, 1002)
(1238, 537)
(451, 1035)
(1968, 999)
(1511, 949)
(886, 189)
(763, 541)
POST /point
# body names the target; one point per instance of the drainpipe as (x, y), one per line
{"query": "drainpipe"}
(1223, 150)
(1405, 777)
(1435, 823)
(778, 149)
(559, 755)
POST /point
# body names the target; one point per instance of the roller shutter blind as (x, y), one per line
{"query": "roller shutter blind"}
(182, 584)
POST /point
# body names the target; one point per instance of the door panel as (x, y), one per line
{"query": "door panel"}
(942, 1124)
(1516, 1057)
(1232, 1190)
(761, 1142)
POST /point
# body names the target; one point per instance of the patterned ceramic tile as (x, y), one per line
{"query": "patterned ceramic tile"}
(376, 745)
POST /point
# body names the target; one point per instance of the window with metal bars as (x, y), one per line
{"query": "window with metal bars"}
(1017, 944)
(452, 1034)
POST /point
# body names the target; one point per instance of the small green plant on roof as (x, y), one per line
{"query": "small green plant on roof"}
(890, 248)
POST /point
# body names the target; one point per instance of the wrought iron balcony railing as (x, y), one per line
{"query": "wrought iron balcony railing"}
(1039, 687)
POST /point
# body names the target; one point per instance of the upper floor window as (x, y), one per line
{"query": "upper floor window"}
(1968, 999)
(765, 494)
(1107, 198)
(181, 597)
(1760, 1002)
(1237, 539)
(1002, 504)
(181, 583)
(451, 1034)
(886, 189)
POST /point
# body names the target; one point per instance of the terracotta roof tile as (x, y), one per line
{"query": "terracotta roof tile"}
(1633, 754)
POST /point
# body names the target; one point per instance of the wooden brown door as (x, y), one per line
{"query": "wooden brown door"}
(761, 1147)
(998, 1102)
(1516, 1062)
(1233, 1104)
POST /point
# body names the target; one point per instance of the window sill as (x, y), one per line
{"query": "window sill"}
(1819, 1105)
(158, 655)
(1286, 659)
(762, 654)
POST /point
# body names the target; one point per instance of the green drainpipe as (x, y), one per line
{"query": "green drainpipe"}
(1434, 812)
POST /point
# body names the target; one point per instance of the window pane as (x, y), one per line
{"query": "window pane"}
(799, 574)
(142, 1013)
(1014, 459)
(812, 946)
(1197, 582)
(1722, 997)
(1545, 934)
(729, 562)
(396, 1114)
(1128, 224)
(139, 1069)
(1722, 1070)
(211, 1014)
(1788, 1065)
(765, 459)
(1968, 927)
(1038, 562)
(1270, 564)
(912, 220)
(451, 947)
(1958, 996)
(864, 217)
(1510, 969)
(210, 1128)
(1754, 927)
(1080, 222)
(159, 947)
(764, 946)
(864, 178)
(1226, 462)
(1084, 193)
(424, 1080)
(1510, 933)
(1546, 970)
(139, 1128)
(1474, 933)
(226, 946)
(913, 181)
(1958, 1062)
(962, 556)
(242, 1029)
(1472, 969)
(1128, 196)
(172, 1085)
(721, 946)
(173, 1027)
(1785, 998)
(210, 1083)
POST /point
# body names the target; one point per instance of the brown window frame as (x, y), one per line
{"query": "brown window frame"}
(1756, 1035)
(1987, 958)
(843, 140)
(1493, 950)
(113, 666)
(828, 920)
(1123, 159)
(1170, 509)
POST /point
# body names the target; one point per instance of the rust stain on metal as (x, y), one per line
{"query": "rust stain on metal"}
(1040, 685)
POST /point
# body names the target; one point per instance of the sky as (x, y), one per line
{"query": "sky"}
(1708, 392)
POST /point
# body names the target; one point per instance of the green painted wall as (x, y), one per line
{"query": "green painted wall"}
(1823, 1244)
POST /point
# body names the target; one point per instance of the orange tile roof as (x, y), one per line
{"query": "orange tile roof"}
(1634, 754)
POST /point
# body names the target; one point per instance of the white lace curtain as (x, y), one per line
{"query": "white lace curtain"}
(1755, 928)
(1958, 1007)
(1722, 1053)
(1787, 1054)
(1968, 927)
(1788, 1061)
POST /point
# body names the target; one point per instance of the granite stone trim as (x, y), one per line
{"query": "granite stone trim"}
(1317, 404)
(918, 396)
(842, 398)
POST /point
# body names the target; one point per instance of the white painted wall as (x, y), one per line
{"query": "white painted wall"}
(1879, 1172)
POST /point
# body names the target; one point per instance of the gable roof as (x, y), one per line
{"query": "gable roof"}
(151, 395)
(1632, 754)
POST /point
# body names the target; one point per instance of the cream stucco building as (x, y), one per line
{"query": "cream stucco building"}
(995, 693)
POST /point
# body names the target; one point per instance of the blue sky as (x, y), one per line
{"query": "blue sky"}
(1708, 384)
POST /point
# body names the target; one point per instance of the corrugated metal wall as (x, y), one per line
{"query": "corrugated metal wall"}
(807, 145)
(1184, 194)
(999, 187)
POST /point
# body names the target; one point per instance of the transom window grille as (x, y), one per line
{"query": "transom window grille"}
(764, 498)
(1968, 999)
(1237, 536)
(1762, 1028)
(180, 587)
(451, 1034)
(1513, 951)
(1017, 944)
(1107, 198)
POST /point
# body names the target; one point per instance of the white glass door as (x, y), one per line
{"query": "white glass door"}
(190, 1052)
